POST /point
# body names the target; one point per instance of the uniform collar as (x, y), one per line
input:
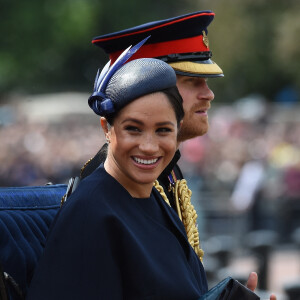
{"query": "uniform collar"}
(165, 173)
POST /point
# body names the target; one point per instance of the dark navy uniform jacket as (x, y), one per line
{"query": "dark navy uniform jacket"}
(105, 244)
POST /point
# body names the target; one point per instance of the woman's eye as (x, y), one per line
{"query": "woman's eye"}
(164, 129)
(132, 128)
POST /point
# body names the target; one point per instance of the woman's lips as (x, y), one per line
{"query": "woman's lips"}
(146, 163)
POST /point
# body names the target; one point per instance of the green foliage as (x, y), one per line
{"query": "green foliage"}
(256, 42)
(46, 44)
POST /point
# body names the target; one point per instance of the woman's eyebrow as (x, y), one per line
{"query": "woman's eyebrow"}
(141, 123)
(165, 123)
(132, 120)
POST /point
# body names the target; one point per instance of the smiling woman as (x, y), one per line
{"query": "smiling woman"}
(142, 143)
(116, 237)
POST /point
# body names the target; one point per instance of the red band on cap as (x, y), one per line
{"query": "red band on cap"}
(152, 28)
(193, 44)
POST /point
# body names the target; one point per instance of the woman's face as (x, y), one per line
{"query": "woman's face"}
(143, 140)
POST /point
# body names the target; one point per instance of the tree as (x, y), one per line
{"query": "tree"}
(46, 45)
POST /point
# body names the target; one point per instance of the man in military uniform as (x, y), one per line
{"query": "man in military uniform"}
(183, 43)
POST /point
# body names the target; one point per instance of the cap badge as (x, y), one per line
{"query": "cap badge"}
(205, 38)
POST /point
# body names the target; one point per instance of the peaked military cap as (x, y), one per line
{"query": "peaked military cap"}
(182, 42)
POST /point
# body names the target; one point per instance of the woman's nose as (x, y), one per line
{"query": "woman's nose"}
(149, 144)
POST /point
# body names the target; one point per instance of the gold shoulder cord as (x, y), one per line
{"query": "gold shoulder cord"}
(186, 212)
(161, 191)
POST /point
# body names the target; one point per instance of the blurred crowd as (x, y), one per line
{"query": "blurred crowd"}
(37, 152)
(248, 162)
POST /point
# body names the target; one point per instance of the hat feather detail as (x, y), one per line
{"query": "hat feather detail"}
(98, 101)
(126, 54)
(100, 76)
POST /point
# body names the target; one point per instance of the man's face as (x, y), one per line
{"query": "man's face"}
(196, 101)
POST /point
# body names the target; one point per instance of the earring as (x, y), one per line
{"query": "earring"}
(107, 140)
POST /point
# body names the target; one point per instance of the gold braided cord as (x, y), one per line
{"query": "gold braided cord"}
(188, 213)
(161, 191)
(189, 216)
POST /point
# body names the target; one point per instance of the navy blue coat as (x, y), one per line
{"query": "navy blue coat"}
(105, 244)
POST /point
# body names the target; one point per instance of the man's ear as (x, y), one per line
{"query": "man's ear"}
(180, 124)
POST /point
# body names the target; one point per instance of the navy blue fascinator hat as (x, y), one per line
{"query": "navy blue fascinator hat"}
(119, 84)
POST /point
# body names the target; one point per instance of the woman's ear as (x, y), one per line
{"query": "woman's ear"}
(104, 125)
